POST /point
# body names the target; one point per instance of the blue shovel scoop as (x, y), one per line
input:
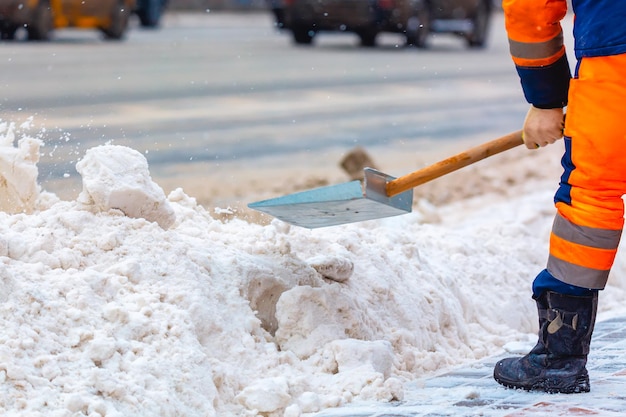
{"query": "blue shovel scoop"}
(379, 196)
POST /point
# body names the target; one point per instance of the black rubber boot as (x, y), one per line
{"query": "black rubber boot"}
(557, 363)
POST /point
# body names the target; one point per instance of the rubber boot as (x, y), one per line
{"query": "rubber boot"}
(557, 363)
(542, 310)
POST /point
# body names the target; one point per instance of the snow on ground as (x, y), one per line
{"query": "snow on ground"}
(130, 302)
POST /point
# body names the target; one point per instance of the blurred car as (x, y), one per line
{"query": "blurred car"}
(41, 17)
(149, 12)
(415, 19)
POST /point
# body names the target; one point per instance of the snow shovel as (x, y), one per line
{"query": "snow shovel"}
(379, 196)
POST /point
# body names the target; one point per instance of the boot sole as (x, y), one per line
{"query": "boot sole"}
(580, 385)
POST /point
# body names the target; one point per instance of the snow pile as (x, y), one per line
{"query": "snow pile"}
(129, 302)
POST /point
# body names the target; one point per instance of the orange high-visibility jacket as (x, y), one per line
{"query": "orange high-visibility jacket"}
(536, 42)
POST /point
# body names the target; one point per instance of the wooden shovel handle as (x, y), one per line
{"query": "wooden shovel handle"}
(441, 168)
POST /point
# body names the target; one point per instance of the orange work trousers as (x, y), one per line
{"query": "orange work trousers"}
(590, 209)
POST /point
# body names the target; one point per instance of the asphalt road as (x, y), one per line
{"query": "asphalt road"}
(208, 97)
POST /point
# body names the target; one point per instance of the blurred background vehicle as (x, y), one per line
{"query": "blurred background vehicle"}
(415, 19)
(149, 12)
(41, 17)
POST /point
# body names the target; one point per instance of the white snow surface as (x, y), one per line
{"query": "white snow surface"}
(128, 302)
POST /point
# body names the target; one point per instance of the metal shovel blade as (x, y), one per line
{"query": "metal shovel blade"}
(380, 196)
(339, 204)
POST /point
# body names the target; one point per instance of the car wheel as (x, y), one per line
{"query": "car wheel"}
(302, 35)
(40, 27)
(8, 32)
(368, 37)
(279, 17)
(119, 22)
(418, 27)
(150, 13)
(480, 22)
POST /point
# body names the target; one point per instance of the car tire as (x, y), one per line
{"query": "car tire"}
(302, 35)
(8, 32)
(150, 14)
(41, 25)
(119, 22)
(418, 27)
(477, 38)
(367, 37)
(279, 17)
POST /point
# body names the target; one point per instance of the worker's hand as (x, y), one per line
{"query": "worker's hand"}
(542, 127)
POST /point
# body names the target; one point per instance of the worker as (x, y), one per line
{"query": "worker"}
(590, 210)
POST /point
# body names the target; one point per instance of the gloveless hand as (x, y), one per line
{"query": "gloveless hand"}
(542, 127)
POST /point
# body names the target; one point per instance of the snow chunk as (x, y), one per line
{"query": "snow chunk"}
(308, 318)
(266, 395)
(117, 177)
(335, 268)
(18, 171)
(352, 354)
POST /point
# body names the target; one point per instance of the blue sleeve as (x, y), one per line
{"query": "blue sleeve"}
(546, 87)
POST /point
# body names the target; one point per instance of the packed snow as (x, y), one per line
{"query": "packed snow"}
(127, 301)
